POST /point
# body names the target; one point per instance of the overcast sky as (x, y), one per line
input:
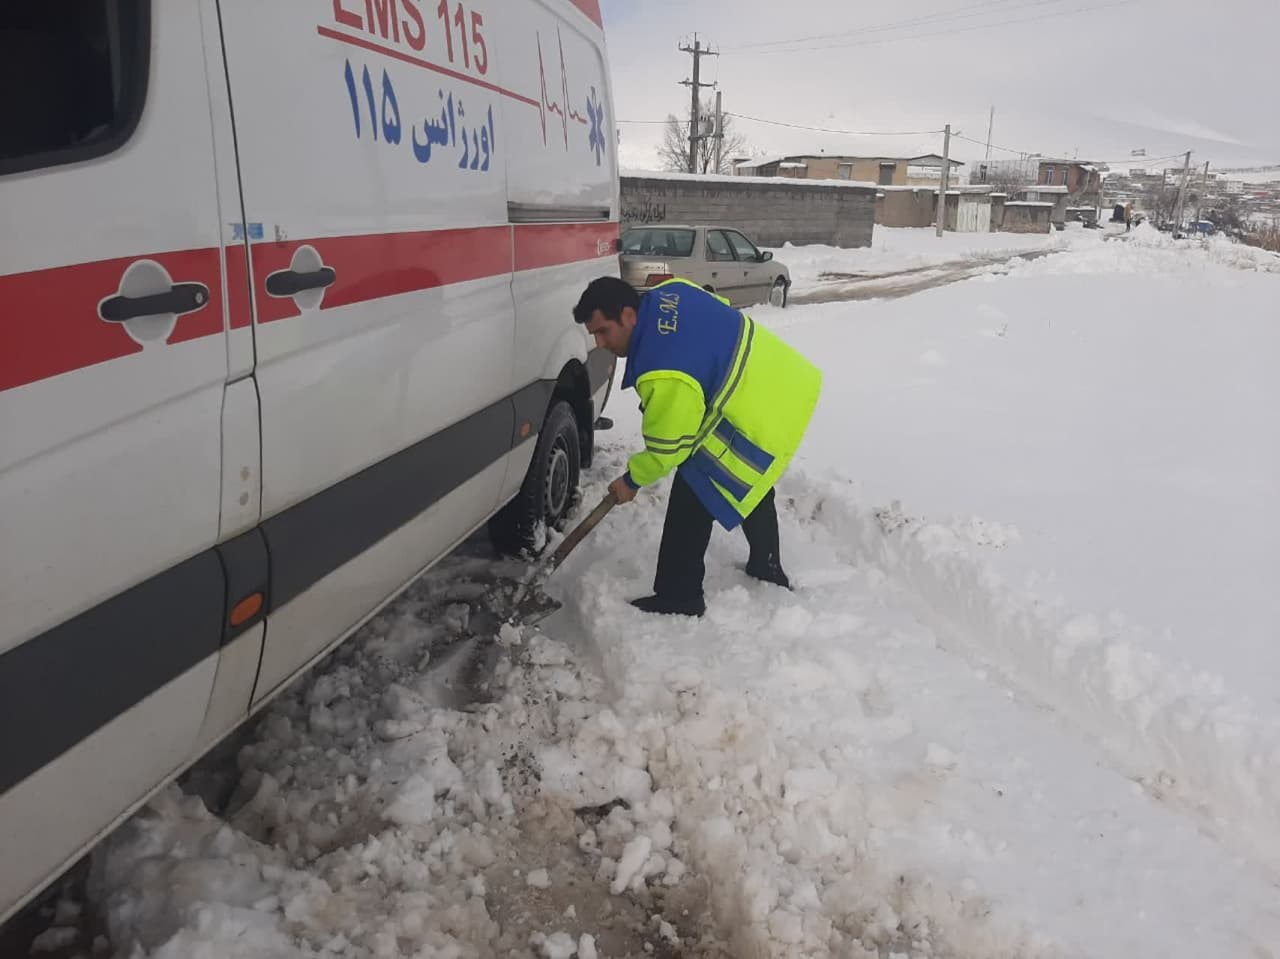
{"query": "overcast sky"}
(1093, 78)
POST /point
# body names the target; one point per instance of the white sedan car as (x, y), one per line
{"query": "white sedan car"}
(721, 259)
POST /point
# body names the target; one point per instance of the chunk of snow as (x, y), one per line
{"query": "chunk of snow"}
(633, 859)
(538, 879)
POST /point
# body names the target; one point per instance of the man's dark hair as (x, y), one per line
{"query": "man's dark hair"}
(609, 295)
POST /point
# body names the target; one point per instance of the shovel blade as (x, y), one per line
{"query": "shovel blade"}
(534, 608)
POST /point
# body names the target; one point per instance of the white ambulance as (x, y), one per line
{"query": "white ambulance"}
(285, 292)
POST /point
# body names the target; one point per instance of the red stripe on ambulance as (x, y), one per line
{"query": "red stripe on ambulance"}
(52, 318)
(53, 321)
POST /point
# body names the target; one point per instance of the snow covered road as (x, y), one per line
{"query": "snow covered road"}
(943, 743)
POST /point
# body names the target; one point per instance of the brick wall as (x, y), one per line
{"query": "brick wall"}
(770, 212)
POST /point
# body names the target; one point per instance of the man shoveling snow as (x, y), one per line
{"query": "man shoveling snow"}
(726, 404)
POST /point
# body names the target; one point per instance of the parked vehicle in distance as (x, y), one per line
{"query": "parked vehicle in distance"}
(263, 367)
(719, 258)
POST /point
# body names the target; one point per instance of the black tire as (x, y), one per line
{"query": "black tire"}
(549, 489)
(779, 293)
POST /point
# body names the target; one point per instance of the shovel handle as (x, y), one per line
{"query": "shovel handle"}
(580, 531)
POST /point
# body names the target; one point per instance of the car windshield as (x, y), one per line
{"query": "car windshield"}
(658, 242)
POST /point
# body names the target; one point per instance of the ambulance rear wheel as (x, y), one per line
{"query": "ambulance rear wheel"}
(549, 490)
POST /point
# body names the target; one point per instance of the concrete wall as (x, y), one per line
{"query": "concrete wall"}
(997, 212)
(918, 207)
(906, 208)
(1026, 219)
(768, 211)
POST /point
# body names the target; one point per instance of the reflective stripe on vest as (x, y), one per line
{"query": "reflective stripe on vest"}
(721, 475)
(732, 377)
(747, 451)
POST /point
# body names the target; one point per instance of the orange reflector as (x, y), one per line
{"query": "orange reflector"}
(246, 609)
(525, 430)
(653, 279)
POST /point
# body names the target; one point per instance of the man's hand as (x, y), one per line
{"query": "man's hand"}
(621, 490)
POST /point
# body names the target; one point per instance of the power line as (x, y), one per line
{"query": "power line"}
(926, 20)
(941, 33)
(800, 126)
(1039, 153)
(1143, 160)
(852, 133)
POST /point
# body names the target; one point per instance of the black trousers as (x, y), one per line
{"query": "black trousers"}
(686, 532)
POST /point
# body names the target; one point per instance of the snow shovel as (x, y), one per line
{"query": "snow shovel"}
(531, 604)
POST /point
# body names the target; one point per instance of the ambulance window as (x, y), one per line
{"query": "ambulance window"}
(74, 74)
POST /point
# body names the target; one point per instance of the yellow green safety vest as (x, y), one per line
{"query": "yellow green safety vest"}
(725, 399)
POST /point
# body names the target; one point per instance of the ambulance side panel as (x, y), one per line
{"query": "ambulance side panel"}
(376, 167)
(562, 199)
(112, 375)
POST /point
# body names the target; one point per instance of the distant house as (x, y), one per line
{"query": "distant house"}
(759, 166)
(1079, 177)
(923, 170)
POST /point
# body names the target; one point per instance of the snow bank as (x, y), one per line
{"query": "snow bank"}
(1178, 730)
(896, 249)
(1145, 250)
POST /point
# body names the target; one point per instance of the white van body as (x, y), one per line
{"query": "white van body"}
(285, 312)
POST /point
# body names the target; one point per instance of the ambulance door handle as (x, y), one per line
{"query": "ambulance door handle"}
(180, 298)
(293, 282)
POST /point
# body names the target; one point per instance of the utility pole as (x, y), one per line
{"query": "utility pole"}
(1182, 192)
(720, 136)
(946, 176)
(1204, 188)
(695, 85)
(990, 126)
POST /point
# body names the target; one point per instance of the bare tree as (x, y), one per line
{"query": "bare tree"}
(1229, 216)
(1009, 181)
(1160, 204)
(674, 151)
(1005, 176)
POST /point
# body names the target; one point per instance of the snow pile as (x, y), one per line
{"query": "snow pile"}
(372, 821)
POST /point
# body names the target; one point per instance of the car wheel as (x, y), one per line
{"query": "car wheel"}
(778, 295)
(549, 490)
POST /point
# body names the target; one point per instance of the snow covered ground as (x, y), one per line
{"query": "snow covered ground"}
(1020, 703)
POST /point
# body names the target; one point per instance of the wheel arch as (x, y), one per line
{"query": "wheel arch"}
(573, 386)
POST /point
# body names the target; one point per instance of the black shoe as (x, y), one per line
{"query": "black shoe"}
(769, 573)
(668, 606)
